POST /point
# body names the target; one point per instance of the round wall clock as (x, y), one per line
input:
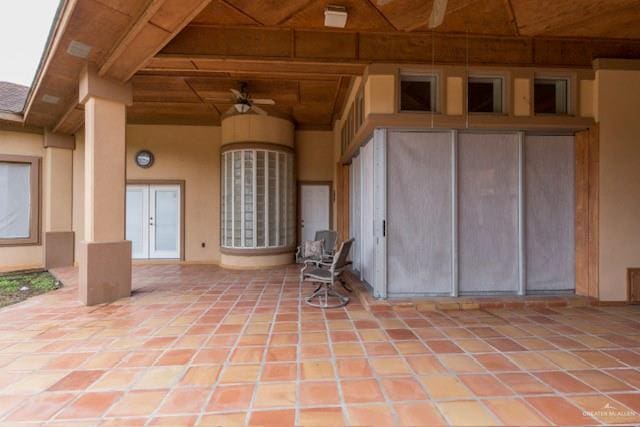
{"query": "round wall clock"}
(144, 158)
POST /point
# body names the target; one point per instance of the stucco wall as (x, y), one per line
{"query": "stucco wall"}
(314, 155)
(31, 256)
(617, 104)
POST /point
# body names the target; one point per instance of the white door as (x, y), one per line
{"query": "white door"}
(153, 221)
(314, 210)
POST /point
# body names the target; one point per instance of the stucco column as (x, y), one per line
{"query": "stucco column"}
(58, 173)
(104, 256)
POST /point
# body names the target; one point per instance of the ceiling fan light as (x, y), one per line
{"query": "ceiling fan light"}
(241, 107)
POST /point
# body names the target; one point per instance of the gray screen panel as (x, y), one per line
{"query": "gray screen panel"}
(550, 213)
(354, 218)
(488, 209)
(367, 249)
(419, 213)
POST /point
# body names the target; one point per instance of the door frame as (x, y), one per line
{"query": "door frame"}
(299, 203)
(180, 183)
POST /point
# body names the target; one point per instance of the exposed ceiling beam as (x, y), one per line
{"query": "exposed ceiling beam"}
(209, 43)
(155, 26)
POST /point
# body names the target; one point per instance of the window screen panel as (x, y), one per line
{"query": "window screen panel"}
(550, 213)
(419, 245)
(15, 200)
(488, 209)
(367, 237)
(355, 221)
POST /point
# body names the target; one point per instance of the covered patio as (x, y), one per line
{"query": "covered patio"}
(198, 344)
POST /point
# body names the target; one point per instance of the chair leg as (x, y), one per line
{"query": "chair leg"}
(323, 293)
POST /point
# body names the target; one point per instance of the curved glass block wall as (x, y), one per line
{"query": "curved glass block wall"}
(258, 198)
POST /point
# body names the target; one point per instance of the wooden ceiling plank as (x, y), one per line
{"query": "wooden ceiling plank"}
(152, 6)
(144, 39)
(70, 111)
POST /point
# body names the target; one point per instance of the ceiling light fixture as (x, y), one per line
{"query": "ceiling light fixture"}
(79, 49)
(335, 16)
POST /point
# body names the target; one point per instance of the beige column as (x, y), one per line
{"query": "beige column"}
(104, 256)
(58, 173)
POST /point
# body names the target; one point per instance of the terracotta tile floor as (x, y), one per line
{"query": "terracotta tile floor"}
(202, 345)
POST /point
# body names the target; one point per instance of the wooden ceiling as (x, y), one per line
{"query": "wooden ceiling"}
(182, 56)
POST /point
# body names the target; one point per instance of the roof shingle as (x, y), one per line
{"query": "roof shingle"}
(12, 97)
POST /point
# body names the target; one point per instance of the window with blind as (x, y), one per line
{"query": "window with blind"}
(258, 200)
(19, 189)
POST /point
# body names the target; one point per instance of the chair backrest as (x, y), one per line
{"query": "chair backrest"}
(340, 259)
(329, 238)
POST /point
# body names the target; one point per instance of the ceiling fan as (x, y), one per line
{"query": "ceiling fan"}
(244, 102)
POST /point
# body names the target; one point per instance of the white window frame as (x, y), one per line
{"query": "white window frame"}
(548, 79)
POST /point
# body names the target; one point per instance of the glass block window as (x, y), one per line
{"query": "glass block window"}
(258, 200)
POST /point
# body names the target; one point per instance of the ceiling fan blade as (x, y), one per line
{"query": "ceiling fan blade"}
(437, 13)
(259, 110)
(263, 101)
(230, 111)
(219, 100)
(236, 93)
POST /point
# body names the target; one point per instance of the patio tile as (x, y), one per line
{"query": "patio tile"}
(231, 397)
(77, 380)
(184, 400)
(389, 366)
(445, 387)
(175, 357)
(485, 385)
(41, 407)
(466, 413)
(321, 417)
(223, 419)
(402, 389)
(419, 414)
(319, 393)
(137, 403)
(281, 417)
(317, 370)
(601, 381)
(275, 394)
(370, 415)
(563, 382)
(353, 368)
(239, 374)
(515, 412)
(279, 372)
(90, 405)
(159, 377)
(560, 411)
(233, 347)
(361, 391)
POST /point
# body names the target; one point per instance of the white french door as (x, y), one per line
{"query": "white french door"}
(315, 203)
(153, 221)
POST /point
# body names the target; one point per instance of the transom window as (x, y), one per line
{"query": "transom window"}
(19, 207)
(418, 92)
(484, 95)
(550, 96)
(258, 199)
